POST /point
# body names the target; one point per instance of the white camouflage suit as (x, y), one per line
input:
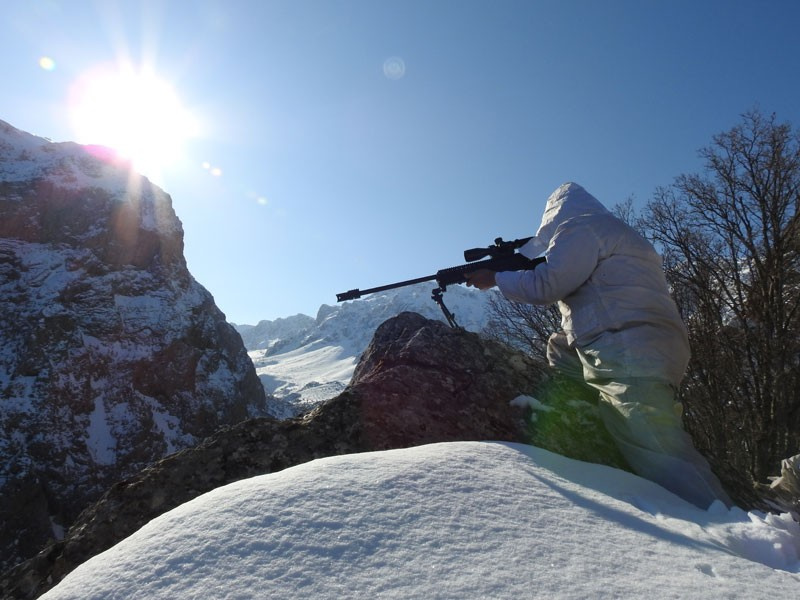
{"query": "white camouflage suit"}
(621, 334)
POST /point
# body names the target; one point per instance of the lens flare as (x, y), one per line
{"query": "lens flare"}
(394, 68)
(47, 63)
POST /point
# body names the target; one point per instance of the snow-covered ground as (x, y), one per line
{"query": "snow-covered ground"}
(303, 361)
(450, 520)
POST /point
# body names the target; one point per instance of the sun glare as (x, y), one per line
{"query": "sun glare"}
(134, 112)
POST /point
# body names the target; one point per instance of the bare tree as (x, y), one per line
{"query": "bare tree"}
(523, 326)
(730, 242)
(626, 211)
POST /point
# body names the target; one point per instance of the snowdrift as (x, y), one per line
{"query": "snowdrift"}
(450, 520)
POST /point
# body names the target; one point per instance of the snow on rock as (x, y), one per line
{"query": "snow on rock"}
(451, 520)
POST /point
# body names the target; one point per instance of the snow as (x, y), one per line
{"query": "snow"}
(100, 441)
(169, 426)
(294, 370)
(449, 520)
(532, 403)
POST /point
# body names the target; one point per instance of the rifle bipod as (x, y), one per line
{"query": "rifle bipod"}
(437, 297)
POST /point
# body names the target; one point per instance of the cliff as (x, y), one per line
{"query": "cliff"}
(111, 355)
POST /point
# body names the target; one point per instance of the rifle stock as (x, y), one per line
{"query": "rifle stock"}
(513, 262)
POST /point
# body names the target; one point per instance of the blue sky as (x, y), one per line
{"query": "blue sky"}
(326, 145)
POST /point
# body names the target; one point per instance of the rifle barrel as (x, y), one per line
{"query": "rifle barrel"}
(356, 293)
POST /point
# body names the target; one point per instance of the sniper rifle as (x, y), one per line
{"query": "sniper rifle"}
(502, 257)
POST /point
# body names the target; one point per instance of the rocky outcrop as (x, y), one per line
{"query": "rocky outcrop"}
(419, 381)
(111, 355)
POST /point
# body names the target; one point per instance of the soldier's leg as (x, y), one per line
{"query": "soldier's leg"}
(645, 422)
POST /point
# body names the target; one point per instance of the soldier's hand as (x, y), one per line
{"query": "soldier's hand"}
(483, 279)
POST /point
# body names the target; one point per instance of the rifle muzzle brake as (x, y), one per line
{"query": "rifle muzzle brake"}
(349, 295)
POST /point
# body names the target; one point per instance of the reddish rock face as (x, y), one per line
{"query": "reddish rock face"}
(422, 381)
(111, 354)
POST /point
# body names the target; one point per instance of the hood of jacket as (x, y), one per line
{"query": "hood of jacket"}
(568, 201)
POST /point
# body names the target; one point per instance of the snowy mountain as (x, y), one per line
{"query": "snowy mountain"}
(111, 354)
(303, 361)
(452, 520)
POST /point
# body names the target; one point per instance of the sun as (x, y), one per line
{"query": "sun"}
(134, 112)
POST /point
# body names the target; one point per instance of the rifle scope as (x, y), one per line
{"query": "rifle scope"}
(500, 248)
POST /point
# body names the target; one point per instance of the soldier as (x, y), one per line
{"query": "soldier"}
(621, 334)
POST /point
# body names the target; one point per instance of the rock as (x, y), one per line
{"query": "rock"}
(783, 492)
(111, 355)
(419, 382)
(424, 382)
